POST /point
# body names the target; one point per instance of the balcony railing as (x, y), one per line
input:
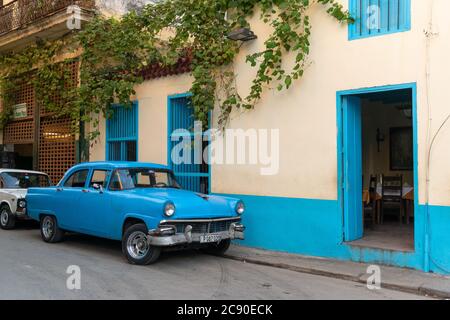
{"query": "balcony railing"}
(20, 13)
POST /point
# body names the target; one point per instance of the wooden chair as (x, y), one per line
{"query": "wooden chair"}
(391, 194)
(373, 198)
(370, 208)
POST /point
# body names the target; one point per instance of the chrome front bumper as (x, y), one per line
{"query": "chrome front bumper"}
(166, 234)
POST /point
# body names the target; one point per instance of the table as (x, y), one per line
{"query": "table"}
(408, 197)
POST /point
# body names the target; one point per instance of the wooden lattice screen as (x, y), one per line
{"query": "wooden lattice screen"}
(19, 132)
(22, 131)
(56, 140)
(56, 147)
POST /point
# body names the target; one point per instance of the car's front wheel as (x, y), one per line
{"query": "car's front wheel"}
(218, 249)
(50, 232)
(7, 219)
(136, 248)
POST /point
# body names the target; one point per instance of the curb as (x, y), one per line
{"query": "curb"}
(422, 291)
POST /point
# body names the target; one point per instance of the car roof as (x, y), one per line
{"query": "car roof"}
(3, 170)
(119, 165)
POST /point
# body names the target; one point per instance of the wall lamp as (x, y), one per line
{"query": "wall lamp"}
(243, 34)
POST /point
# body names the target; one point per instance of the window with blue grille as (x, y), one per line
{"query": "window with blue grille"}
(191, 175)
(379, 17)
(122, 134)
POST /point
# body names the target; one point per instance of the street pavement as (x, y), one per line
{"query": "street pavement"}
(32, 269)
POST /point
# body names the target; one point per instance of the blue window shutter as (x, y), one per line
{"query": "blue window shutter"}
(122, 134)
(358, 22)
(384, 16)
(365, 4)
(393, 16)
(192, 176)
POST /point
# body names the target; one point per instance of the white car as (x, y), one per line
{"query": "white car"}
(13, 190)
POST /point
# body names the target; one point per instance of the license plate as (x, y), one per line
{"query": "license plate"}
(209, 238)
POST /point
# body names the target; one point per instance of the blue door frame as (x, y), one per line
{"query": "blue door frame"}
(345, 99)
(352, 168)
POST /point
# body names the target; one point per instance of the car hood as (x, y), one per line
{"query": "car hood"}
(18, 193)
(192, 205)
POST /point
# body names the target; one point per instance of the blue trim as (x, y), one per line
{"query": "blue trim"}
(209, 156)
(359, 30)
(137, 129)
(122, 139)
(339, 103)
(192, 174)
(314, 227)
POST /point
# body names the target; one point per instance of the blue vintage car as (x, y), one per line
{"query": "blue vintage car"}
(140, 204)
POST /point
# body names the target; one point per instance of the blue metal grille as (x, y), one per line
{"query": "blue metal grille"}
(192, 176)
(122, 134)
(378, 17)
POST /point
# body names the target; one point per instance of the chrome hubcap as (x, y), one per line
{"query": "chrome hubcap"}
(137, 245)
(4, 216)
(47, 227)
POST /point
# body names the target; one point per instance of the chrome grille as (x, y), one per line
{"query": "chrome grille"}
(202, 227)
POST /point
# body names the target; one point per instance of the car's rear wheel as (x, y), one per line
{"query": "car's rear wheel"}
(136, 248)
(7, 219)
(50, 232)
(218, 249)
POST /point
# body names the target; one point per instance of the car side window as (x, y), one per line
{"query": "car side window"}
(77, 179)
(99, 177)
(116, 181)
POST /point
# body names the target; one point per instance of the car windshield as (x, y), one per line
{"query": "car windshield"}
(23, 180)
(126, 179)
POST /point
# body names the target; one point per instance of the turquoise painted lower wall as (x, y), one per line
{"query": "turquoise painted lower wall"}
(439, 235)
(315, 228)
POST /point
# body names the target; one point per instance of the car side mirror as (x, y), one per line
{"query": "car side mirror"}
(98, 187)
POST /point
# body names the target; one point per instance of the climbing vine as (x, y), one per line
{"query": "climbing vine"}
(114, 52)
(38, 65)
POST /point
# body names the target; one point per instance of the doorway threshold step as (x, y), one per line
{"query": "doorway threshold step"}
(382, 245)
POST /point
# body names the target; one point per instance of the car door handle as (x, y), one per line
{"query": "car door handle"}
(59, 189)
(85, 191)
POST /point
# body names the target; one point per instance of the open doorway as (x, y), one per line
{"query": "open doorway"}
(378, 169)
(24, 158)
(17, 156)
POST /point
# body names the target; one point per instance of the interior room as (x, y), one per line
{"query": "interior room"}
(388, 171)
(17, 156)
(24, 156)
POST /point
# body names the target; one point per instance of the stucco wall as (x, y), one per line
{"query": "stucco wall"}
(306, 114)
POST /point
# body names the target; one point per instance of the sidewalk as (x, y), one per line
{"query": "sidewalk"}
(406, 280)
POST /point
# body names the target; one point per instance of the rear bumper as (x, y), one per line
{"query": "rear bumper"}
(166, 234)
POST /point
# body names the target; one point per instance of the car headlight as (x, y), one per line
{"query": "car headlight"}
(240, 208)
(22, 204)
(169, 209)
